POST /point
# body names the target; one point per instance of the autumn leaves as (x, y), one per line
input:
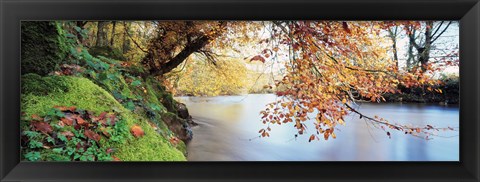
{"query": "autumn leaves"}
(73, 134)
(333, 64)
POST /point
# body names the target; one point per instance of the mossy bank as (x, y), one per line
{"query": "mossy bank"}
(82, 107)
(40, 94)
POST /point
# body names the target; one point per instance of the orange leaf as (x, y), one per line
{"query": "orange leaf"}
(36, 117)
(81, 121)
(67, 121)
(418, 130)
(65, 108)
(137, 131)
(312, 137)
(115, 158)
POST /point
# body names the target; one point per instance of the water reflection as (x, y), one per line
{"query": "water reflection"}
(227, 123)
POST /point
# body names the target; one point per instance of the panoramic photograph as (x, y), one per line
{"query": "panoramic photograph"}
(240, 91)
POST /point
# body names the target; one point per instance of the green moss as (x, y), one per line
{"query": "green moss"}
(34, 84)
(42, 49)
(150, 147)
(84, 94)
(107, 51)
(164, 98)
(182, 147)
(79, 92)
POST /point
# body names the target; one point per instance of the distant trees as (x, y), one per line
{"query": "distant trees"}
(102, 35)
(424, 41)
(422, 38)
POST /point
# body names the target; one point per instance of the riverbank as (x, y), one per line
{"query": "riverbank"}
(450, 93)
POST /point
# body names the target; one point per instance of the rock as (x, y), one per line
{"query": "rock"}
(183, 111)
(179, 126)
(43, 47)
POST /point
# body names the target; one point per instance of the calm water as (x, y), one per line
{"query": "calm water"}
(226, 123)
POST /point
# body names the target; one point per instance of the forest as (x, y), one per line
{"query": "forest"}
(124, 90)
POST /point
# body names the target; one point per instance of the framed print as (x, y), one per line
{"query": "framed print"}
(239, 90)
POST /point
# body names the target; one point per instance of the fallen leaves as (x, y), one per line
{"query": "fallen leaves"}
(67, 121)
(92, 135)
(67, 134)
(65, 108)
(36, 117)
(42, 127)
(65, 124)
(81, 121)
(137, 131)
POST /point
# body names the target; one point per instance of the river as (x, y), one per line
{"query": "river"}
(228, 129)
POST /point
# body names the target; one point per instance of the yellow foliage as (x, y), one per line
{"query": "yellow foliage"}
(199, 78)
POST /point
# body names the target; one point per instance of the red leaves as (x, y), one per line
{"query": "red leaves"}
(137, 131)
(81, 121)
(92, 135)
(67, 121)
(84, 130)
(257, 58)
(42, 127)
(105, 119)
(280, 93)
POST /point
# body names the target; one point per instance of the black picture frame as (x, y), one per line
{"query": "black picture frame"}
(13, 11)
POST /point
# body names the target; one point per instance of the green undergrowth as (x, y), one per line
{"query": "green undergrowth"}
(41, 94)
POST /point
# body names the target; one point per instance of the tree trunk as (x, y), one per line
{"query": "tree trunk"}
(126, 41)
(411, 57)
(424, 52)
(112, 38)
(393, 36)
(179, 58)
(101, 34)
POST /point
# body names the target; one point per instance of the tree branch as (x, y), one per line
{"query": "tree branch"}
(406, 129)
(443, 31)
(187, 51)
(131, 38)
